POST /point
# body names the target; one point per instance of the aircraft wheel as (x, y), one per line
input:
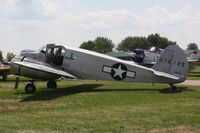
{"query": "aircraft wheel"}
(174, 88)
(51, 84)
(30, 88)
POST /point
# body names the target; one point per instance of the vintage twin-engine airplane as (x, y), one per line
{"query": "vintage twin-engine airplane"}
(53, 61)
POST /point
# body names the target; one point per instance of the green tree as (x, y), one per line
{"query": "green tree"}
(192, 46)
(103, 45)
(159, 42)
(100, 44)
(1, 56)
(9, 56)
(153, 40)
(130, 43)
(89, 45)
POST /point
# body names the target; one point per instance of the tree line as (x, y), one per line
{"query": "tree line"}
(104, 45)
(9, 56)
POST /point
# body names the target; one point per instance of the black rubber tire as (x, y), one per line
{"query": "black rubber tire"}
(30, 88)
(174, 88)
(51, 84)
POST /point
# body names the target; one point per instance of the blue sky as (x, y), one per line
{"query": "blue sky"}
(29, 24)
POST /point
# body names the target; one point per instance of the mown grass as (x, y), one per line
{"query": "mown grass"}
(99, 106)
(195, 73)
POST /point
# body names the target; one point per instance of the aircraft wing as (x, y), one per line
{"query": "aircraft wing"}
(4, 69)
(45, 68)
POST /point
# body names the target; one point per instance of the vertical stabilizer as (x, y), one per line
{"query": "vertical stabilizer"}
(173, 61)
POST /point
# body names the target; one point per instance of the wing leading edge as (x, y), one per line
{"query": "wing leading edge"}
(44, 68)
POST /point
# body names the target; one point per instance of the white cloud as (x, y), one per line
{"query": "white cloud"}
(49, 7)
(35, 28)
(182, 26)
(103, 19)
(8, 6)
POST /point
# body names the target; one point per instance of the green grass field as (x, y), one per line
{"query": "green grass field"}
(99, 106)
(194, 74)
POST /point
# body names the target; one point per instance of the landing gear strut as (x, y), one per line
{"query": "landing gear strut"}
(30, 87)
(51, 84)
(4, 76)
(173, 87)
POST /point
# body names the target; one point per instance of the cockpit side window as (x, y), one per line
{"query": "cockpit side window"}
(63, 52)
(50, 51)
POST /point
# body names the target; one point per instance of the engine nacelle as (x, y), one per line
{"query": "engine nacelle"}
(139, 55)
(30, 72)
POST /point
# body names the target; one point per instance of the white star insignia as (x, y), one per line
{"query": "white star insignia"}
(119, 71)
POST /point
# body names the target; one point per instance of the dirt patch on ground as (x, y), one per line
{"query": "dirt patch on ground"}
(179, 129)
(9, 100)
(22, 106)
(32, 131)
(191, 82)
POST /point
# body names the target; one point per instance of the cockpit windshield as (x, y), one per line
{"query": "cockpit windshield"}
(42, 49)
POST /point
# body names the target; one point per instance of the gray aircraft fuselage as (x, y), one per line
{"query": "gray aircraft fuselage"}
(86, 64)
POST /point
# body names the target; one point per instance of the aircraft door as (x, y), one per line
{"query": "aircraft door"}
(55, 55)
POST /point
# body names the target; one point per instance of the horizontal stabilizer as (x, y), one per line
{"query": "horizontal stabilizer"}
(166, 75)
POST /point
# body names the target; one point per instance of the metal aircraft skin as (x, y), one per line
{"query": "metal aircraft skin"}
(54, 61)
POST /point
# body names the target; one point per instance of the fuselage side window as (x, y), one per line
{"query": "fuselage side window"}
(70, 55)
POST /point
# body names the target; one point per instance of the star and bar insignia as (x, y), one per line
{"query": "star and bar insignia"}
(118, 71)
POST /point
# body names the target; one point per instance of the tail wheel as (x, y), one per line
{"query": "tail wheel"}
(30, 88)
(173, 87)
(51, 84)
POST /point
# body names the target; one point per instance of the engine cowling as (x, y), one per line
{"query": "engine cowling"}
(20, 70)
(139, 55)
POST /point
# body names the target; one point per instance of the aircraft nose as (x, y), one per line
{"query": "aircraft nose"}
(24, 52)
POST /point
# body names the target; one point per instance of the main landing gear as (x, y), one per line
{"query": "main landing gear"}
(30, 88)
(51, 84)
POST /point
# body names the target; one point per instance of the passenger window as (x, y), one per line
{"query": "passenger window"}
(70, 55)
(73, 56)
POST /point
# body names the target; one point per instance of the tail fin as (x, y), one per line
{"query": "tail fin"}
(174, 62)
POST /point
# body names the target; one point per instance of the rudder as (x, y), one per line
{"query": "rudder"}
(173, 61)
